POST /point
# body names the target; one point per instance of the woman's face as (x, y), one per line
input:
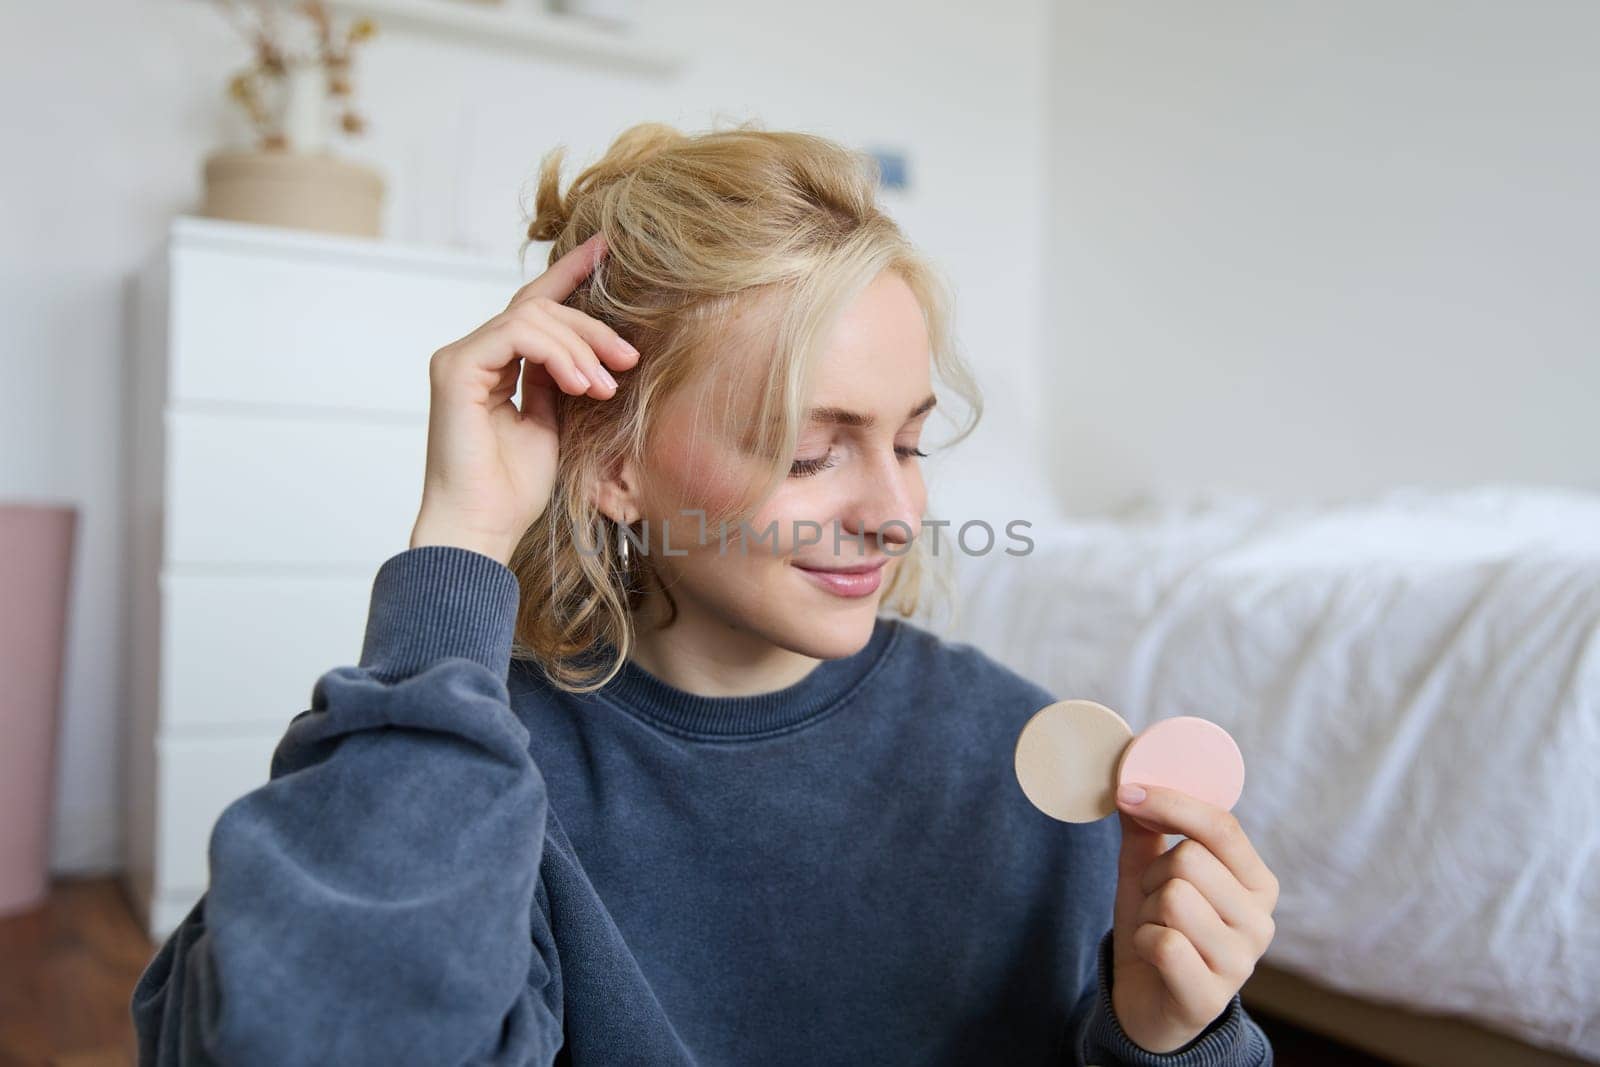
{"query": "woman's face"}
(854, 497)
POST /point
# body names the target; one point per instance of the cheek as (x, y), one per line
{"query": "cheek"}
(681, 486)
(918, 488)
(684, 478)
(802, 509)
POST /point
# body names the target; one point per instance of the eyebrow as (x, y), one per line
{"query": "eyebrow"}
(843, 417)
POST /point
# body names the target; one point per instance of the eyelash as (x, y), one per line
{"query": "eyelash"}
(804, 468)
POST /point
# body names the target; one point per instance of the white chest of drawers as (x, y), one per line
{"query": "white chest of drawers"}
(277, 426)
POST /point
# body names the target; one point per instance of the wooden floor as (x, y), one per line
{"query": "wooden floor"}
(67, 970)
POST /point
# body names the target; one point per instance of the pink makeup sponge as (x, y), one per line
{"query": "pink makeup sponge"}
(1189, 754)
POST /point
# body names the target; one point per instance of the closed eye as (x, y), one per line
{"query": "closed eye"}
(804, 468)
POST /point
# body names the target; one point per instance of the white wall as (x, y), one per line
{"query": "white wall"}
(108, 108)
(1313, 249)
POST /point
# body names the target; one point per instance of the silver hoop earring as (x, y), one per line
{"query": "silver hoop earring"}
(622, 546)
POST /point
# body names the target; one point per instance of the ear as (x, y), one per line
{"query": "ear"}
(616, 494)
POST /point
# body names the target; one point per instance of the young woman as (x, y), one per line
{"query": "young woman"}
(634, 769)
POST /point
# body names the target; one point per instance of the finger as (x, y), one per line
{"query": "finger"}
(506, 386)
(538, 398)
(566, 273)
(545, 316)
(513, 337)
(481, 360)
(534, 376)
(1173, 811)
(1180, 905)
(606, 342)
(1194, 863)
(1189, 981)
(1140, 848)
(601, 384)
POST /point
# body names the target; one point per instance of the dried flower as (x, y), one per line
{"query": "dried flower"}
(268, 56)
(318, 14)
(273, 61)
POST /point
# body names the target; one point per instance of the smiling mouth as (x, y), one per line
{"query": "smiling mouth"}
(860, 568)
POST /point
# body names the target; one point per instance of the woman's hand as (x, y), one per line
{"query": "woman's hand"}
(491, 467)
(1190, 922)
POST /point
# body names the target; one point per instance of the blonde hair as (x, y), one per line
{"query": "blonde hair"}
(739, 233)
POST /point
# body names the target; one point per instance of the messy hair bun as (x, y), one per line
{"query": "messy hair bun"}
(633, 149)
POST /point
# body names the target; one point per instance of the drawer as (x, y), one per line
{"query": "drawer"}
(286, 631)
(331, 330)
(303, 491)
(196, 777)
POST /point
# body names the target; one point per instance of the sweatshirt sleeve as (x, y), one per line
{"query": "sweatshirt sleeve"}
(1232, 1040)
(375, 902)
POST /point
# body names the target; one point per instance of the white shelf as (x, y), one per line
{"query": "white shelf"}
(511, 24)
(249, 238)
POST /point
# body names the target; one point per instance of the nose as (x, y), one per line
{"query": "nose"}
(886, 503)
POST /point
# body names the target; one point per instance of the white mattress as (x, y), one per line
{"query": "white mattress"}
(1414, 681)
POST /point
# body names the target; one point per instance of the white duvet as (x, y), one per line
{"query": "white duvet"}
(1414, 681)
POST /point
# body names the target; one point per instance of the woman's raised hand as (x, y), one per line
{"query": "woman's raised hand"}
(491, 467)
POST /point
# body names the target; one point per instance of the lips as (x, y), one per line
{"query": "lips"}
(860, 568)
(851, 583)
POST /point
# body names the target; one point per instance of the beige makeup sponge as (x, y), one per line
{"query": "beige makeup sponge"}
(1067, 757)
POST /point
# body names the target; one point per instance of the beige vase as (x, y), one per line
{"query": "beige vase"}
(302, 190)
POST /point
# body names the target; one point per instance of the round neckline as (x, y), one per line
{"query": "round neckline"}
(827, 686)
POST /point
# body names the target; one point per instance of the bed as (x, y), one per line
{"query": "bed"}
(1414, 680)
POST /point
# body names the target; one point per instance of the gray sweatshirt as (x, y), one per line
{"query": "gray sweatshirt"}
(456, 863)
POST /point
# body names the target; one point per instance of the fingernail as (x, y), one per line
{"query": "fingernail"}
(1131, 794)
(581, 379)
(605, 376)
(629, 347)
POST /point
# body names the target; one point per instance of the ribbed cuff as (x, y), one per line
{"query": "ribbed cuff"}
(438, 601)
(1227, 1042)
